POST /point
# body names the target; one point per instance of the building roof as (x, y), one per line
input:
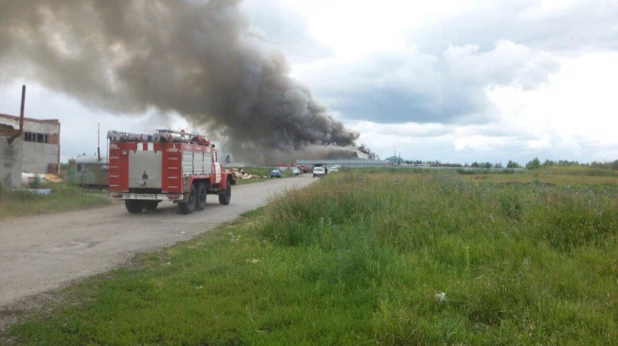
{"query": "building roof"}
(47, 121)
(8, 130)
(343, 162)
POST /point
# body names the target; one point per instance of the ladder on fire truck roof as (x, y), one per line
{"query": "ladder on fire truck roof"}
(182, 133)
(161, 134)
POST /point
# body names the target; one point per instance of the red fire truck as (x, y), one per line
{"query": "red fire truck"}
(145, 169)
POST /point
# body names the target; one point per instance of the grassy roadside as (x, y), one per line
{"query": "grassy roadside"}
(364, 258)
(63, 197)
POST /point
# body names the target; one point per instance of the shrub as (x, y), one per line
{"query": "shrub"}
(534, 164)
(512, 164)
(35, 183)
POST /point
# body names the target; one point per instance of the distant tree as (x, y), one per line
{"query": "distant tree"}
(475, 164)
(568, 163)
(615, 165)
(487, 165)
(498, 165)
(512, 164)
(534, 164)
(548, 163)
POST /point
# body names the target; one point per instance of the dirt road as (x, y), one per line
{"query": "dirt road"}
(42, 253)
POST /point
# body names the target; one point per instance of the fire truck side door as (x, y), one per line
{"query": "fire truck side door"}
(217, 168)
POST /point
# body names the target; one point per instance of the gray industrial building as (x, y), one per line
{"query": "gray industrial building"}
(10, 156)
(342, 162)
(40, 144)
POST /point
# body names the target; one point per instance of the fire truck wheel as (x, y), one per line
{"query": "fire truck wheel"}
(200, 204)
(151, 205)
(226, 196)
(133, 206)
(189, 206)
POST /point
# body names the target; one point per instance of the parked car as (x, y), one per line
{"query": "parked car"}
(296, 171)
(275, 173)
(319, 172)
(334, 169)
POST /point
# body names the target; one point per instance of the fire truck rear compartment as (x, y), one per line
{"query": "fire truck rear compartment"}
(145, 169)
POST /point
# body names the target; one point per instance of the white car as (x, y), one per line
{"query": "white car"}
(296, 171)
(334, 169)
(319, 172)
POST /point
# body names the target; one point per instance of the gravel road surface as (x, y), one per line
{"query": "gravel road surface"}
(42, 253)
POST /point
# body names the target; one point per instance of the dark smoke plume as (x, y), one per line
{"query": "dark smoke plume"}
(197, 58)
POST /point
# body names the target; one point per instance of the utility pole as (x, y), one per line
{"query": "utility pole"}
(99, 141)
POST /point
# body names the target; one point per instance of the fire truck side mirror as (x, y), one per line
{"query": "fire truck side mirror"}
(228, 159)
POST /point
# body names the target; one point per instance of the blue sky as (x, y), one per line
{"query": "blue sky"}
(455, 81)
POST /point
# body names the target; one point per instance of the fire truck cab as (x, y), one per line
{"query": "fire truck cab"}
(145, 169)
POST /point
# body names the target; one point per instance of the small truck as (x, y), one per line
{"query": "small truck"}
(145, 169)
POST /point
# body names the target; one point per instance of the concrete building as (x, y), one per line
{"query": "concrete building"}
(10, 156)
(40, 143)
(342, 162)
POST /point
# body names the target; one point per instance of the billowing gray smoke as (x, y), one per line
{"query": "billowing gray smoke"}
(197, 58)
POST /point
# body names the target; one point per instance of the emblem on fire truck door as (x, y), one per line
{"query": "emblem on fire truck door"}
(144, 178)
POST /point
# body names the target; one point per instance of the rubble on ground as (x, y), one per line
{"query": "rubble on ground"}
(27, 177)
(241, 174)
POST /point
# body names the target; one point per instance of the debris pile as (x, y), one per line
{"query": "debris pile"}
(28, 177)
(241, 174)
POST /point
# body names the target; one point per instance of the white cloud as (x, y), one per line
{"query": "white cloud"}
(572, 117)
(508, 63)
(415, 86)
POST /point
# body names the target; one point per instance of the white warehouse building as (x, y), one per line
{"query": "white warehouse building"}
(40, 143)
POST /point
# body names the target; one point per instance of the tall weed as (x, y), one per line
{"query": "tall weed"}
(508, 256)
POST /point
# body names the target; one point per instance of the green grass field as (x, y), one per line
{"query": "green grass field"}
(63, 197)
(363, 258)
(553, 175)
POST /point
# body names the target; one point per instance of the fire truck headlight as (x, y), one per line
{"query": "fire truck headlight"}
(124, 152)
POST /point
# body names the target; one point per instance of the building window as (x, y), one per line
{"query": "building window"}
(36, 137)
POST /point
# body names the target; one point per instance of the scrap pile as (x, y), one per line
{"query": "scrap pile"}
(241, 174)
(28, 177)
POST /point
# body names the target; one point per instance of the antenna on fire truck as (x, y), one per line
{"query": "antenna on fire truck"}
(99, 141)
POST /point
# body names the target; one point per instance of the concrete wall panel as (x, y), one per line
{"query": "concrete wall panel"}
(10, 162)
(37, 156)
